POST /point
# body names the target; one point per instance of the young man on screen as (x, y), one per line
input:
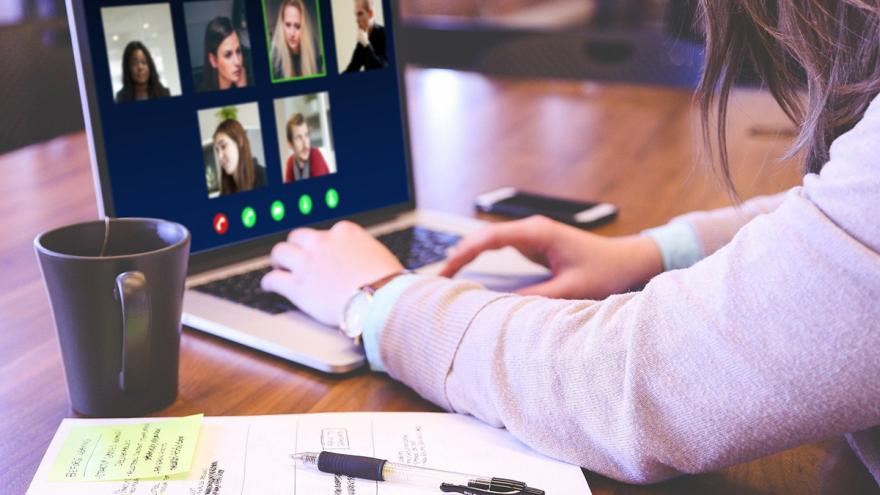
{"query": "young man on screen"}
(306, 161)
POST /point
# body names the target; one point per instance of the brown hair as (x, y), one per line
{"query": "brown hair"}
(245, 177)
(828, 48)
(297, 120)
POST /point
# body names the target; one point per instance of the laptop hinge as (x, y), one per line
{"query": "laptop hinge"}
(254, 249)
(376, 219)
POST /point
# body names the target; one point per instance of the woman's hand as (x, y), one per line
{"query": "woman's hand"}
(584, 265)
(320, 270)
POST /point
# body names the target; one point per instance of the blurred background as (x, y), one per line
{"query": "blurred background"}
(640, 41)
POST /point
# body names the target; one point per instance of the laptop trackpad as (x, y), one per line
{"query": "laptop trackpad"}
(505, 270)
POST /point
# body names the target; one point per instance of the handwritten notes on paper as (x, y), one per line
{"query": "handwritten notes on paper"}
(112, 452)
(236, 455)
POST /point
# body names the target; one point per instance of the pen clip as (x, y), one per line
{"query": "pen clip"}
(498, 486)
(466, 490)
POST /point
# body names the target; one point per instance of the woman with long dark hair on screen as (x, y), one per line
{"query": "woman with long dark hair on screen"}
(758, 327)
(140, 80)
(225, 66)
(239, 169)
(294, 53)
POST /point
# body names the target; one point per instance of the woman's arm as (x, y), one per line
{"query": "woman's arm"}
(716, 228)
(686, 239)
(771, 342)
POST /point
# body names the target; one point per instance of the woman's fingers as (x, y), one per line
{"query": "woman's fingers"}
(281, 282)
(469, 248)
(288, 256)
(495, 236)
(557, 288)
(305, 237)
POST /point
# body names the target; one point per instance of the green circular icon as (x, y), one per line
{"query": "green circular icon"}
(332, 198)
(305, 204)
(248, 217)
(277, 211)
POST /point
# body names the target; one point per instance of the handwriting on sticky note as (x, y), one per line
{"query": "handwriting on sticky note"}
(127, 451)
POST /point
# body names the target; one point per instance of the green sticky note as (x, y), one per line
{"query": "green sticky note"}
(116, 452)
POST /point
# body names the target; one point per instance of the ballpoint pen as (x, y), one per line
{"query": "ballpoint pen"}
(370, 468)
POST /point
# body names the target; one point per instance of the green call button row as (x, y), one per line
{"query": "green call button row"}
(278, 210)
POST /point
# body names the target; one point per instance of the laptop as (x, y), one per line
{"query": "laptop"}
(243, 120)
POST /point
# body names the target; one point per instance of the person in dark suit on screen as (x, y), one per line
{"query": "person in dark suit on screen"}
(370, 51)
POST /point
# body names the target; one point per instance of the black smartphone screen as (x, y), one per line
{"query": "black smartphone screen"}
(535, 204)
(519, 204)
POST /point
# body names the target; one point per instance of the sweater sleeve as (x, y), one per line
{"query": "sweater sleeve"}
(770, 342)
(716, 228)
(689, 238)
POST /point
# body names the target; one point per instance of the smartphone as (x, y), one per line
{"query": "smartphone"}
(512, 202)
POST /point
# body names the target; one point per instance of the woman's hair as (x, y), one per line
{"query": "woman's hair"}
(820, 59)
(245, 177)
(155, 89)
(218, 30)
(282, 58)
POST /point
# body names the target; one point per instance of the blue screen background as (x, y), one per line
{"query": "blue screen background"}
(154, 156)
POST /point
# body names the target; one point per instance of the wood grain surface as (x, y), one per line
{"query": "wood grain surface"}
(634, 146)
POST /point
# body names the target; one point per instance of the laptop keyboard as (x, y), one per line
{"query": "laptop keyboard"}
(415, 247)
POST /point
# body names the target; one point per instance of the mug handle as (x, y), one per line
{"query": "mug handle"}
(134, 298)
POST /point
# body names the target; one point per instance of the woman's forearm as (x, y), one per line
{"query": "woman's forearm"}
(727, 361)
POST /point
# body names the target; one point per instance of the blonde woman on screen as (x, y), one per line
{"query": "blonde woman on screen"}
(294, 53)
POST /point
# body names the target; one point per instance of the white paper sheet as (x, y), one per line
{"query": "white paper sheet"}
(251, 455)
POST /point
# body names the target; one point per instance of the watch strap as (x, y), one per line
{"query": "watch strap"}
(378, 284)
(368, 290)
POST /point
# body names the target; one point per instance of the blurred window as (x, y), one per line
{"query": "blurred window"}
(11, 11)
(537, 14)
(19, 11)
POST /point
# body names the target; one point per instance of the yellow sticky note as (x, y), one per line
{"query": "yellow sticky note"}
(115, 452)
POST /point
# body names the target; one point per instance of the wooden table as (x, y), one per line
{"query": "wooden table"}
(633, 146)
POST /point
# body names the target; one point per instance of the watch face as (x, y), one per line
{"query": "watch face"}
(355, 315)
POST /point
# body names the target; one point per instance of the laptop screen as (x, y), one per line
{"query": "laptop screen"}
(245, 118)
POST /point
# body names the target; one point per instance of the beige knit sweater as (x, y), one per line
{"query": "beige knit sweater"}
(771, 341)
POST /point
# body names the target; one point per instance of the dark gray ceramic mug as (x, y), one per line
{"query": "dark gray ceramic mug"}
(116, 291)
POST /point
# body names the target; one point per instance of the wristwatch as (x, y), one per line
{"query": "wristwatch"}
(354, 315)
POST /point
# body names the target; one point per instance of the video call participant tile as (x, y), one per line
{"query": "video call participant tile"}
(219, 44)
(232, 148)
(141, 52)
(294, 38)
(359, 29)
(304, 136)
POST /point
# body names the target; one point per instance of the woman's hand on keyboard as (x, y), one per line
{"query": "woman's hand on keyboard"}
(584, 265)
(320, 270)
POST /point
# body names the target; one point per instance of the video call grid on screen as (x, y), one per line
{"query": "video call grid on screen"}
(167, 142)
